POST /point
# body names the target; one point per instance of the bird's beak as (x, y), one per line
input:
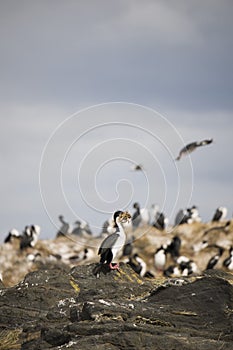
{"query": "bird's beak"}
(125, 217)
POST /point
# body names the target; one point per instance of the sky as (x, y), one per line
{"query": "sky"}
(89, 88)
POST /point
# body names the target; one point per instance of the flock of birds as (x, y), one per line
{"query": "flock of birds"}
(183, 266)
(115, 244)
(115, 241)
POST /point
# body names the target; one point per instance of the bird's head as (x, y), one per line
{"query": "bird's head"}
(136, 205)
(121, 216)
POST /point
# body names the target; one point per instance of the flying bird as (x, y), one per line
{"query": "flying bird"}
(192, 146)
(137, 167)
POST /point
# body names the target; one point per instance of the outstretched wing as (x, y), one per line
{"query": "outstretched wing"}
(187, 149)
(192, 146)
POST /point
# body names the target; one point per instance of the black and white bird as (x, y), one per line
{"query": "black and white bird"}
(182, 217)
(77, 230)
(160, 221)
(113, 243)
(29, 236)
(82, 256)
(81, 228)
(228, 262)
(194, 214)
(138, 264)
(140, 217)
(187, 216)
(214, 260)
(160, 257)
(174, 247)
(11, 235)
(186, 265)
(192, 147)
(65, 227)
(172, 271)
(220, 214)
(189, 268)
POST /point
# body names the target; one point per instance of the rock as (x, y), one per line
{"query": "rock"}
(73, 309)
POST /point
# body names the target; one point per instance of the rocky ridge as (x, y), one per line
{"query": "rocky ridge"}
(72, 309)
(50, 297)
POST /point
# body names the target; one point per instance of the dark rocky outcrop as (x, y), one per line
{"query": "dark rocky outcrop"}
(72, 309)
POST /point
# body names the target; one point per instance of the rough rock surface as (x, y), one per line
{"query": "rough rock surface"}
(60, 309)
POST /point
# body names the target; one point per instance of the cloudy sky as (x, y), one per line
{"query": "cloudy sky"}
(67, 146)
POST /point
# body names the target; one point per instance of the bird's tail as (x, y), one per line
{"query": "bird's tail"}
(100, 267)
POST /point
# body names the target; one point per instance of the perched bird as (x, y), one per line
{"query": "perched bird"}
(29, 237)
(174, 247)
(187, 216)
(220, 214)
(188, 268)
(136, 217)
(86, 228)
(172, 271)
(194, 214)
(83, 255)
(12, 234)
(214, 260)
(81, 228)
(65, 227)
(192, 146)
(160, 221)
(114, 242)
(77, 231)
(160, 257)
(182, 217)
(35, 229)
(186, 265)
(138, 264)
(228, 262)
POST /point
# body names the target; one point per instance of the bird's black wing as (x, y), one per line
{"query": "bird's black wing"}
(217, 215)
(187, 149)
(108, 242)
(8, 238)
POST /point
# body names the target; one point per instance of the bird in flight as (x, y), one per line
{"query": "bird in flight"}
(137, 167)
(192, 146)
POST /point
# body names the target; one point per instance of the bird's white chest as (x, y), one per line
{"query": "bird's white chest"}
(160, 259)
(120, 242)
